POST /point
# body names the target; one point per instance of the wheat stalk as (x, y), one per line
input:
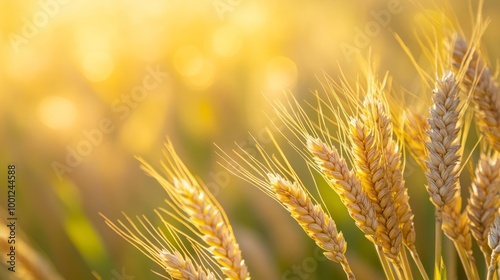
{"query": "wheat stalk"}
(316, 223)
(456, 227)
(479, 80)
(484, 201)
(443, 158)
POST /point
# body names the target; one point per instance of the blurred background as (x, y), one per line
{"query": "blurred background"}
(87, 85)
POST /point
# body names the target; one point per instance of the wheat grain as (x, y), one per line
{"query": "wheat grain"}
(347, 186)
(480, 81)
(311, 217)
(484, 201)
(443, 148)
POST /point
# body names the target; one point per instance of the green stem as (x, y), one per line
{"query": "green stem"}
(418, 262)
(492, 268)
(385, 263)
(438, 244)
(470, 270)
(406, 264)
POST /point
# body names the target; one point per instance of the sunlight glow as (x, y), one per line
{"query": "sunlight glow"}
(57, 112)
(97, 66)
(281, 73)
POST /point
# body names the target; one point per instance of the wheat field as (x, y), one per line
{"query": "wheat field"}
(226, 139)
(354, 139)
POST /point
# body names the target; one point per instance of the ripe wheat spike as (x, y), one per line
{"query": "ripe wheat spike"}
(268, 175)
(443, 147)
(205, 214)
(484, 201)
(483, 86)
(315, 222)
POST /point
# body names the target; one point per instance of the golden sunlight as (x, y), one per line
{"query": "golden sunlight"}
(57, 112)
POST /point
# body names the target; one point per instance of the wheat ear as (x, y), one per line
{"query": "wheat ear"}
(369, 166)
(316, 223)
(346, 185)
(479, 79)
(443, 158)
(484, 201)
(375, 112)
(494, 243)
(394, 175)
(268, 176)
(204, 213)
(207, 218)
(443, 147)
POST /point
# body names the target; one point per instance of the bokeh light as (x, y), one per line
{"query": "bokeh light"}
(97, 66)
(188, 61)
(57, 112)
(281, 73)
(227, 41)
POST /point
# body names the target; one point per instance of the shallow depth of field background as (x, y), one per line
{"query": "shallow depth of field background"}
(68, 67)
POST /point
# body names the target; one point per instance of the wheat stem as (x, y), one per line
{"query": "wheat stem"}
(385, 264)
(438, 244)
(419, 263)
(406, 265)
